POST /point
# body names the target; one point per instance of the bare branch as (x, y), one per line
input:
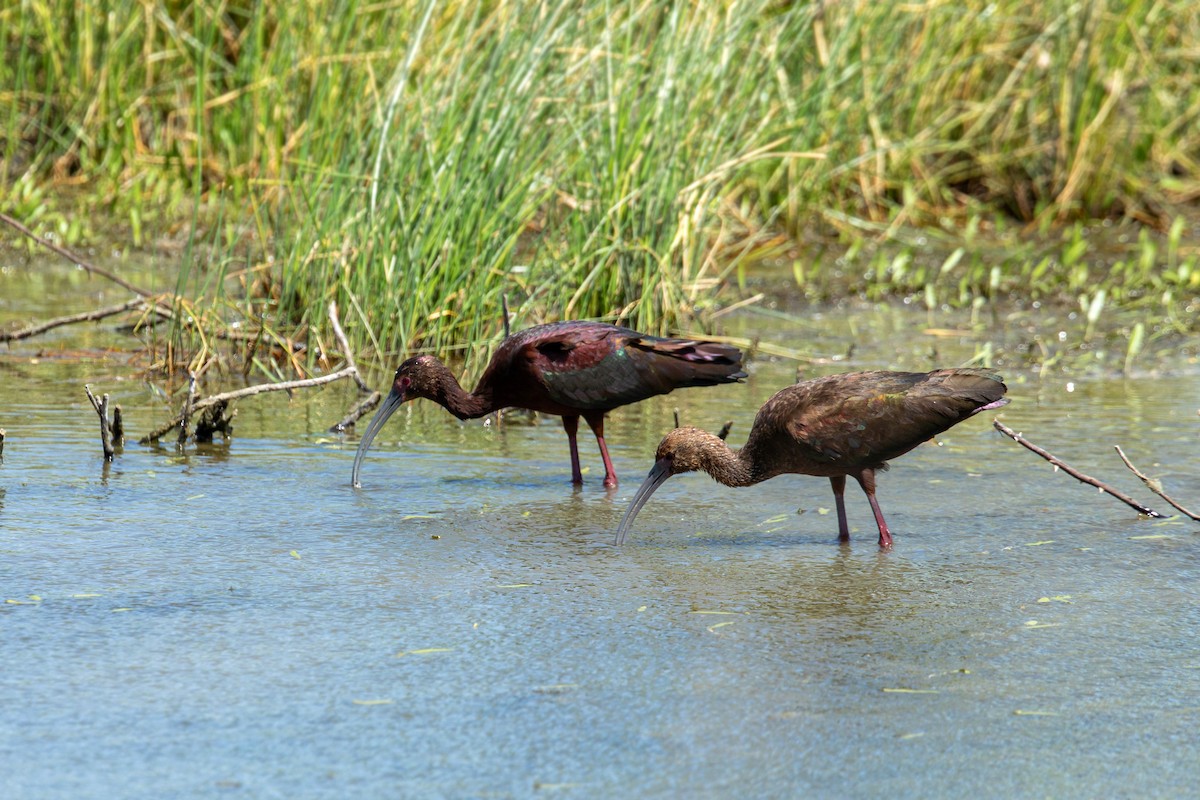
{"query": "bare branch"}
(356, 413)
(1153, 485)
(343, 343)
(101, 407)
(87, 316)
(188, 406)
(1074, 473)
(249, 391)
(74, 259)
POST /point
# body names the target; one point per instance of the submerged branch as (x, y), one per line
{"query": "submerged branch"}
(1074, 473)
(1154, 485)
(87, 316)
(74, 259)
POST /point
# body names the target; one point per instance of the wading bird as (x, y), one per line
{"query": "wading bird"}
(570, 369)
(835, 426)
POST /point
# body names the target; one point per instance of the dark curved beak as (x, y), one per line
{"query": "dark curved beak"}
(390, 403)
(657, 477)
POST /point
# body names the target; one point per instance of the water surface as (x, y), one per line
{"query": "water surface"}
(236, 621)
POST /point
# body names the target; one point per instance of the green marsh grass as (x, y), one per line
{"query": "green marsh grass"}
(417, 161)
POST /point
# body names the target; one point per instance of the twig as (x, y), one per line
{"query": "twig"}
(101, 407)
(1074, 473)
(249, 391)
(188, 407)
(677, 418)
(728, 426)
(2, 432)
(739, 304)
(356, 413)
(87, 316)
(345, 345)
(1154, 485)
(74, 259)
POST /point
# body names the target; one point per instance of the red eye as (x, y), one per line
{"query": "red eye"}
(405, 382)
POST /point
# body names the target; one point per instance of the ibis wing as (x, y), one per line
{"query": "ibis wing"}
(886, 414)
(617, 366)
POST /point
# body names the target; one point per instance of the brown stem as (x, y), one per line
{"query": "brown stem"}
(2, 432)
(1153, 485)
(101, 407)
(74, 259)
(87, 316)
(1074, 473)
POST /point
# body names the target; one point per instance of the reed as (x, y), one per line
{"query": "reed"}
(415, 161)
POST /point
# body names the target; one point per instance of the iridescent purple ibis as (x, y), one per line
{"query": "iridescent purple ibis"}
(569, 369)
(835, 426)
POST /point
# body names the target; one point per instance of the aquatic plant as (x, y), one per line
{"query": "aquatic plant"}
(416, 161)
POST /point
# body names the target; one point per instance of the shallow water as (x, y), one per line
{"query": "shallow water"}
(234, 620)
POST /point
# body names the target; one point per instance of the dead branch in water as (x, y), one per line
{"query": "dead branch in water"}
(220, 421)
(249, 391)
(215, 420)
(188, 405)
(106, 431)
(357, 412)
(87, 316)
(74, 259)
(1074, 473)
(2, 432)
(1154, 485)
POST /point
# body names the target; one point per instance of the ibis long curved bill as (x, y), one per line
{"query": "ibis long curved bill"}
(657, 477)
(394, 400)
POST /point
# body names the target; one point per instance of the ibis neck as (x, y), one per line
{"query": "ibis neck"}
(461, 403)
(730, 467)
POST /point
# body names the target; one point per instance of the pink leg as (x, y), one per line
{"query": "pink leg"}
(571, 426)
(839, 496)
(596, 422)
(866, 479)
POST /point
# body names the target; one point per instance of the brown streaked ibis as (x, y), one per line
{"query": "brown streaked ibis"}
(568, 369)
(834, 426)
